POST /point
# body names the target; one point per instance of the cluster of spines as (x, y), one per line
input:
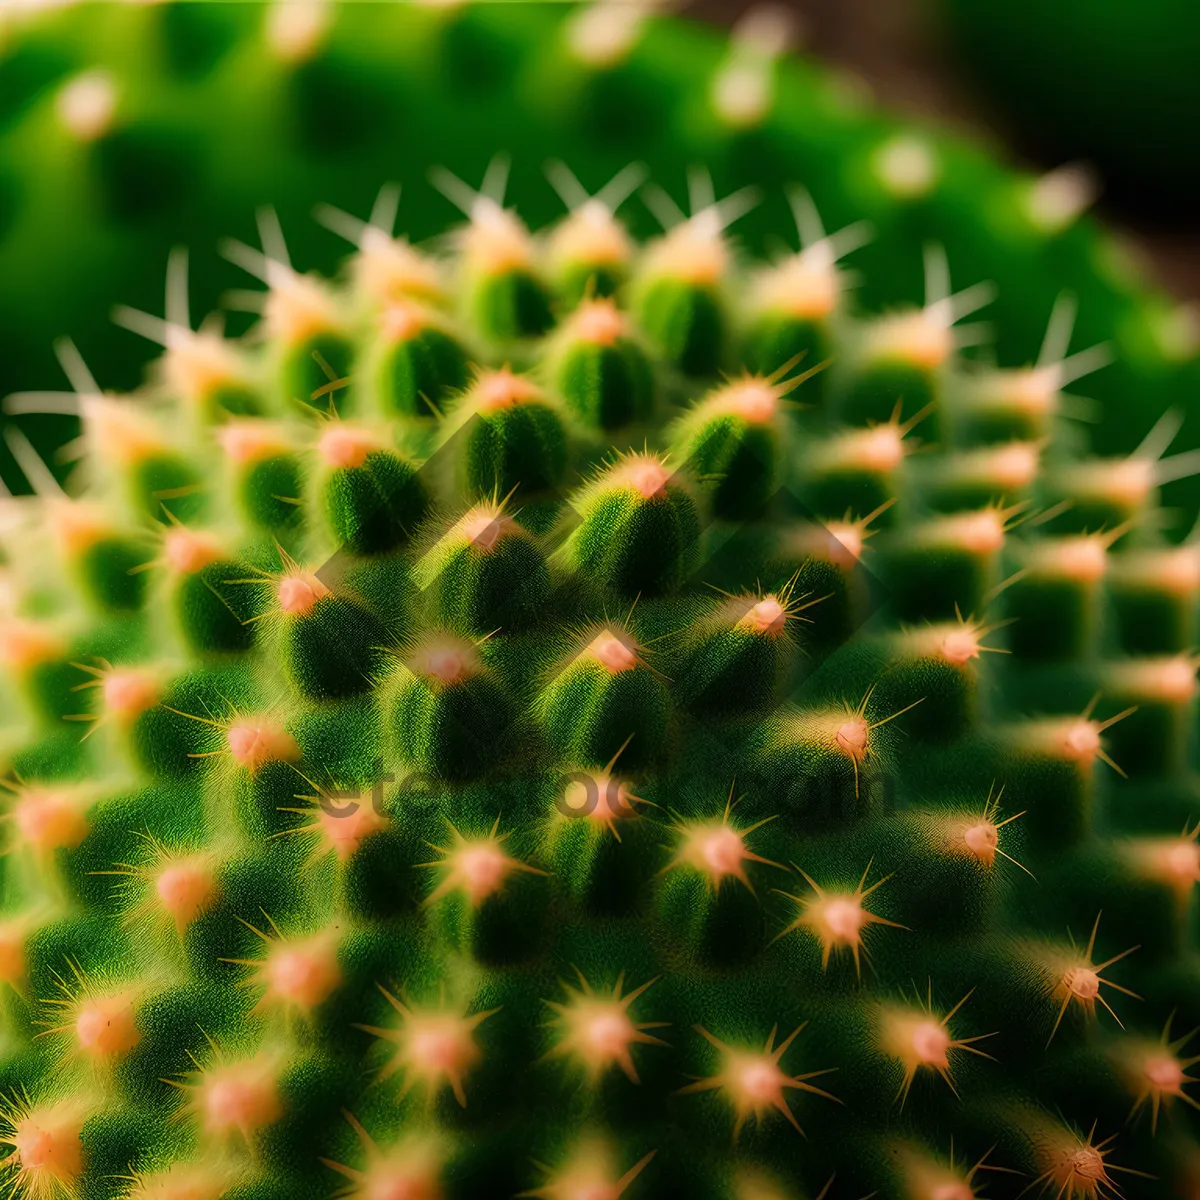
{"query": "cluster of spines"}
(483, 624)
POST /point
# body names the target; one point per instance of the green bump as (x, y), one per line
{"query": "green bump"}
(685, 322)
(503, 294)
(604, 701)
(509, 438)
(510, 305)
(778, 338)
(740, 657)
(109, 575)
(602, 373)
(371, 498)
(314, 371)
(175, 737)
(420, 363)
(164, 483)
(332, 647)
(733, 438)
(486, 902)
(638, 530)
(211, 596)
(486, 573)
(266, 474)
(451, 717)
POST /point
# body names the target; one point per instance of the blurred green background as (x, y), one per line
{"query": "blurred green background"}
(1114, 84)
(208, 128)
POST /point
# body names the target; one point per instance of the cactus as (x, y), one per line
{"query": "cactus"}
(585, 758)
(124, 128)
(591, 713)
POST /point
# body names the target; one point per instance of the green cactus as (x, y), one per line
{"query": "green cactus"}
(544, 724)
(125, 128)
(601, 763)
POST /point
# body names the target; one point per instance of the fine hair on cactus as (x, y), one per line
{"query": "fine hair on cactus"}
(555, 713)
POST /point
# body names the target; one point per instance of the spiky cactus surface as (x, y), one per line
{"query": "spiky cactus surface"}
(563, 717)
(126, 128)
(555, 715)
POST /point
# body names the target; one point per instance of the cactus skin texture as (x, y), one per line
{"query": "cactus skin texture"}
(123, 125)
(544, 736)
(582, 781)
